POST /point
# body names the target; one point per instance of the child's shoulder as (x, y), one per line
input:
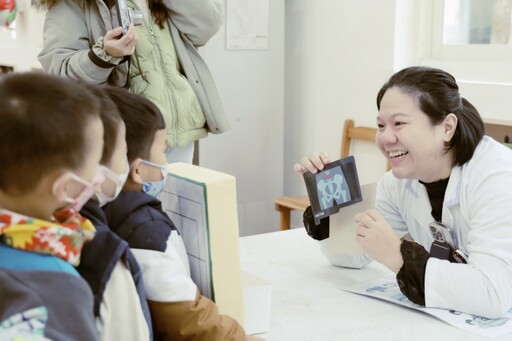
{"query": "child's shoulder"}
(139, 219)
(62, 296)
(136, 207)
(11, 258)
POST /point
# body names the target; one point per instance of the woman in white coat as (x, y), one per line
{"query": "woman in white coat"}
(442, 219)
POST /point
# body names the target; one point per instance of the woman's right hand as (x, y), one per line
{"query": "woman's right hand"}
(116, 44)
(314, 163)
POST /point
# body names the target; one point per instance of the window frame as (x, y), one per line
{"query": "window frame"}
(472, 62)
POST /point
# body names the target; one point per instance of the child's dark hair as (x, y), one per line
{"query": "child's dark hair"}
(111, 118)
(437, 94)
(142, 119)
(42, 129)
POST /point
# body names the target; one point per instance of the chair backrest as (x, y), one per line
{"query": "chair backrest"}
(350, 131)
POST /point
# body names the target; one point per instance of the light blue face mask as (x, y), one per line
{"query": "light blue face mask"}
(154, 188)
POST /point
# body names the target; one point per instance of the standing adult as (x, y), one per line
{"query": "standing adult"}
(157, 59)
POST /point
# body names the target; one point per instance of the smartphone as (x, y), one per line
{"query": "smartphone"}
(123, 15)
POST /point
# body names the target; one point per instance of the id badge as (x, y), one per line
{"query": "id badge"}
(444, 246)
(442, 234)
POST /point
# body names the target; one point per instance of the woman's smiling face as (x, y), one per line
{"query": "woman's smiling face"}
(414, 147)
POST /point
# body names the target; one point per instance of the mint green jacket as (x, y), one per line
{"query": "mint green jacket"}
(73, 46)
(155, 74)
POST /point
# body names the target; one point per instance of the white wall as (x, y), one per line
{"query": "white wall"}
(338, 54)
(493, 101)
(251, 85)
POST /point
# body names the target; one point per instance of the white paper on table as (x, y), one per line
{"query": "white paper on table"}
(247, 24)
(387, 289)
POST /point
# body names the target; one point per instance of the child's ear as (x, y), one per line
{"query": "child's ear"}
(135, 171)
(60, 186)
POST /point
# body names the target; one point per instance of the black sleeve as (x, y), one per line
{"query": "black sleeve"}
(411, 277)
(318, 232)
(150, 235)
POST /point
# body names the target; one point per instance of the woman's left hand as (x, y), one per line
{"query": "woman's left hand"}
(378, 239)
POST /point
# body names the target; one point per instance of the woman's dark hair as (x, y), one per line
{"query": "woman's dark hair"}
(142, 119)
(160, 11)
(437, 94)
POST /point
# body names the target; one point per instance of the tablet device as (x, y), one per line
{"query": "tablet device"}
(336, 186)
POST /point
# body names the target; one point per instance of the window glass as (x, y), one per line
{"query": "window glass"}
(477, 22)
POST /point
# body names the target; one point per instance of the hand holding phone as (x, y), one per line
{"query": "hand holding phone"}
(117, 44)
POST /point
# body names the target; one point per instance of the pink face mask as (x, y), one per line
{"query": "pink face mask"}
(117, 179)
(89, 189)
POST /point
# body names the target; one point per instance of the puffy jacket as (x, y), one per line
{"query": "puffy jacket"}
(73, 46)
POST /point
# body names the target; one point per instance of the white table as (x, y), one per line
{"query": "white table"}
(309, 304)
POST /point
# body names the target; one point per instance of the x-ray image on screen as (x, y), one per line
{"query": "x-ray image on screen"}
(336, 186)
(332, 187)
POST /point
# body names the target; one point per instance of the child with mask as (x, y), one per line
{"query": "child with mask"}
(178, 310)
(107, 263)
(50, 148)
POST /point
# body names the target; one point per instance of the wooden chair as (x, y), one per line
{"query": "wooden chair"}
(285, 204)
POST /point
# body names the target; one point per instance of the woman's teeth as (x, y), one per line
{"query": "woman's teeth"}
(397, 153)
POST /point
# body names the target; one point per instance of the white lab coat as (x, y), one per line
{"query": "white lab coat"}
(478, 208)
